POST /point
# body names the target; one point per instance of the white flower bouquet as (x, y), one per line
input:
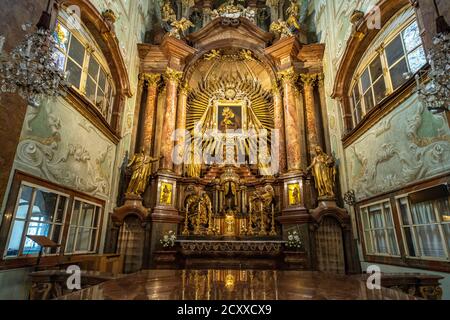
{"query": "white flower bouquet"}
(168, 240)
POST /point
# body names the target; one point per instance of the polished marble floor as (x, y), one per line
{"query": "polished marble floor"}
(234, 285)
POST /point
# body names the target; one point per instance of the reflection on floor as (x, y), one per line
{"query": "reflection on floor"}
(234, 285)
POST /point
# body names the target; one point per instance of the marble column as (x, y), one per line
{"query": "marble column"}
(135, 145)
(291, 119)
(323, 107)
(181, 124)
(146, 141)
(309, 81)
(172, 79)
(279, 125)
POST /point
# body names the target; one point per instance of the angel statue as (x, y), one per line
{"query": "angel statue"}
(293, 15)
(168, 15)
(281, 28)
(324, 171)
(179, 27)
(141, 166)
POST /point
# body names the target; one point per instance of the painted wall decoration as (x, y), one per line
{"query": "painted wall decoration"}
(60, 145)
(408, 145)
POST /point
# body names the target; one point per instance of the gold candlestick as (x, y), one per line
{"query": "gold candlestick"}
(273, 231)
(186, 229)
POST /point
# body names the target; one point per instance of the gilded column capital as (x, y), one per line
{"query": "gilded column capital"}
(184, 88)
(309, 79)
(152, 79)
(320, 79)
(288, 75)
(173, 75)
(275, 88)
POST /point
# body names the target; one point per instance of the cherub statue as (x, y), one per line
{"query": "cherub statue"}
(281, 28)
(213, 54)
(168, 15)
(247, 55)
(293, 15)
(179, 27)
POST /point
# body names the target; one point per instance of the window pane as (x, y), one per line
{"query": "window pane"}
(100, 102)
(24, 202)
(102, 80)
(430, 241)
(88, 214)
(90, 89)
(358, 113)
(380, 241)
(61, 36)
(397, 74)
(394, 51)
(75, 213)
(411, 36)
(388, 215)
(98, 211)
(70, 240)
(443, 207)
(74, 76)
(35, 228)
(423, 213)
(393, 242)
(356, 93)
(369, 246)
(44, 206)
(376, 69)
(368, 100)
(61, 212)
(446, 228)
(56, 233)
(93, 68)
(404, 211)
(15, 239)
(93, 242)
(410, 242)
(417, 59)
(60, 60)
(379, 89)
(83, 239)
(376, 218)
(365, 80)
(76, 51)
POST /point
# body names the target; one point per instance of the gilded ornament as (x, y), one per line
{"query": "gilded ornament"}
(293, 12)
(179, 27)
(173, 75)
(288, 75)
(281, 29)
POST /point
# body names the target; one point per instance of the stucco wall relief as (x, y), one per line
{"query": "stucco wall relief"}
(400, 149)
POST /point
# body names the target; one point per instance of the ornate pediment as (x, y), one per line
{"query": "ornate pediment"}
(239, 31)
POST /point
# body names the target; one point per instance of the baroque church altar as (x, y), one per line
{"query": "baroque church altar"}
(231, 154)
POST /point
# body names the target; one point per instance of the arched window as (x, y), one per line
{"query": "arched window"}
(394, 56)
(79, 55)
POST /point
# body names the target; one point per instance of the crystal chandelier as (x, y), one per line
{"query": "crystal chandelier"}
(435, 94)
(31, 69)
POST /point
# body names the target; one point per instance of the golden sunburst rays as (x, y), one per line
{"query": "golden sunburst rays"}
(200, 113)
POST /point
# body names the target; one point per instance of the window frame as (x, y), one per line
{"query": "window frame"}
(369, 58)
(91, 51)
(416, 242)
(27, 220)
(364, 210)
(77, 227)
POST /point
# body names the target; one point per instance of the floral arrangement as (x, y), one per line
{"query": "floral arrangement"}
(168, 240)
(294, 240)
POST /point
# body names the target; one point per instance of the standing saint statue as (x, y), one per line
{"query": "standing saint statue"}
(324, 171)
(141, 166)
